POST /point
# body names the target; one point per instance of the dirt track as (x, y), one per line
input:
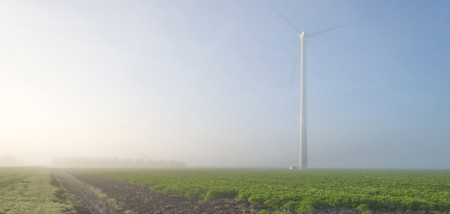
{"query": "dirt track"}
(68, 196)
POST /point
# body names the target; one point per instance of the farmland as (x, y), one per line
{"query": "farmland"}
(29, 190)
(305, 191)
(43, 190)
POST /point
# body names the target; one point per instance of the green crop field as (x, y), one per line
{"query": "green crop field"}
(419, 190)
(28, 190)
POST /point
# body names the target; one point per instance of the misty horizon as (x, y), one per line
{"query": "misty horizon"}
(118, 162)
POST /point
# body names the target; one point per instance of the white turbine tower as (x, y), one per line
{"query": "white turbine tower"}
(303, 162)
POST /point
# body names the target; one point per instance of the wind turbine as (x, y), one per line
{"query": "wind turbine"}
(301, 50)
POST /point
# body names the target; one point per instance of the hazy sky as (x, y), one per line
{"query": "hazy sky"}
(208, 82)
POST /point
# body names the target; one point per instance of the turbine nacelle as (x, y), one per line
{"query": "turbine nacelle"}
(303, 34)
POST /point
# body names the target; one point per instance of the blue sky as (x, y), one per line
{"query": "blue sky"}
(208, 82)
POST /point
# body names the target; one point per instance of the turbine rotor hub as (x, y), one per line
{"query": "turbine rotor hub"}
(303, 34)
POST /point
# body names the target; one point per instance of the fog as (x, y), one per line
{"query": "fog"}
(207, 83)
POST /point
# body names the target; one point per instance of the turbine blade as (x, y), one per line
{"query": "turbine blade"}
(285, 19)
(324, 31)
(296, 61)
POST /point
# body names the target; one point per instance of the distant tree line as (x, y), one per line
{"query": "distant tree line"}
(7, 160)
(77, 162)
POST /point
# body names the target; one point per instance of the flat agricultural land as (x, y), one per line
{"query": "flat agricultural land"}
(29, 190)
(299, 191)
(216, 191)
